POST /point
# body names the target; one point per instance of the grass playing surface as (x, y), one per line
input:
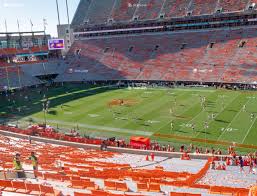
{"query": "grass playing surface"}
(145, 112)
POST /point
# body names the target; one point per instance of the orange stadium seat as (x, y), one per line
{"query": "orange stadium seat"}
(6, 185)
(20, 187)
(34, 189)
(142, 187)
(49, 191)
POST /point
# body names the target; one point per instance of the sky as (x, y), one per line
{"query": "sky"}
(36, 11)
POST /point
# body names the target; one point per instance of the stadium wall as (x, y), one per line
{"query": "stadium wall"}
(111, 149)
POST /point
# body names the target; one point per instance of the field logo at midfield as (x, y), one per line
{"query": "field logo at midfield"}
(122, 102)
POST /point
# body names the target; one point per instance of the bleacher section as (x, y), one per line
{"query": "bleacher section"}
(149, 10)
(125, 11)
(65, 170)
(206, 55)
(14, 77)
(81, 12)
(15, 51)
(47, 68)
(21, 75)
(99, 11)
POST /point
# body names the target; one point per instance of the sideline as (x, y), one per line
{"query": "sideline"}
(109, 148)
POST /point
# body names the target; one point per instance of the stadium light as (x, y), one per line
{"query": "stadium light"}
(45, 105)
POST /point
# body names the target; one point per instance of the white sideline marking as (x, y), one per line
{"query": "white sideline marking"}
(248, 131)
(219, 113)
(96, 127)
(232, 120)
(179, 114)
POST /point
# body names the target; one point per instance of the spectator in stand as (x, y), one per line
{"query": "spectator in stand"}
(168, 148)
(192, 146)
(182, 149)
(152, 156)
(223, 167)
(250, 165)
(213, 165)
(228, 161)
(18, 166)
(241, 164)
(219, 167)
(34, 161)
(253, 190)
(185, 156)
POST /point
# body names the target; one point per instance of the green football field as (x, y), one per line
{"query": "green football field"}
(162, 114)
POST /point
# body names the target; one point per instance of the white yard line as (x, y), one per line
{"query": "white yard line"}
(235, 117)
(140, 116)
(179, 114)
(96, 127)
(220, 112)
(248, 131)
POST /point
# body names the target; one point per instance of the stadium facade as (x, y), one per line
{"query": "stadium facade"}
(145, 40)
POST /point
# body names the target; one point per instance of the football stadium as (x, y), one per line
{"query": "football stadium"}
(130, 97)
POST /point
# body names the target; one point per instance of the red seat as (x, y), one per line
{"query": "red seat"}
(6, 185)
(33, 189)
(49, 191)
(20, 187)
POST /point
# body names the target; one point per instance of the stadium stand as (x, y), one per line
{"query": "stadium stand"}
(69, 170)
(125, 11)
(81, 12)
(149, 10)
(199, 7)
(99, 11)
(74, 165)
(206, 55)
(176, 8)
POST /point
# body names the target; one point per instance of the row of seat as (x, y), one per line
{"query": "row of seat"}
(78, 169)
(206, 56)
(128, 10)
(15, 51)
(27, 188)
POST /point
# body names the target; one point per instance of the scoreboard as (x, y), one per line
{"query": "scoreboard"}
(56, 44)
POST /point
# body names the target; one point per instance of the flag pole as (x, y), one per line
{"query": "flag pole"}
(6, 30)
(58, 14)
(31, 25)
(67, 9)
(18, 25)
(44, 23)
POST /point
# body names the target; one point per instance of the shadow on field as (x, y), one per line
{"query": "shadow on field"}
(204, 132)
(181, 131)
(53, 112)
(232, 110)
(56, 95)
(223, 121)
